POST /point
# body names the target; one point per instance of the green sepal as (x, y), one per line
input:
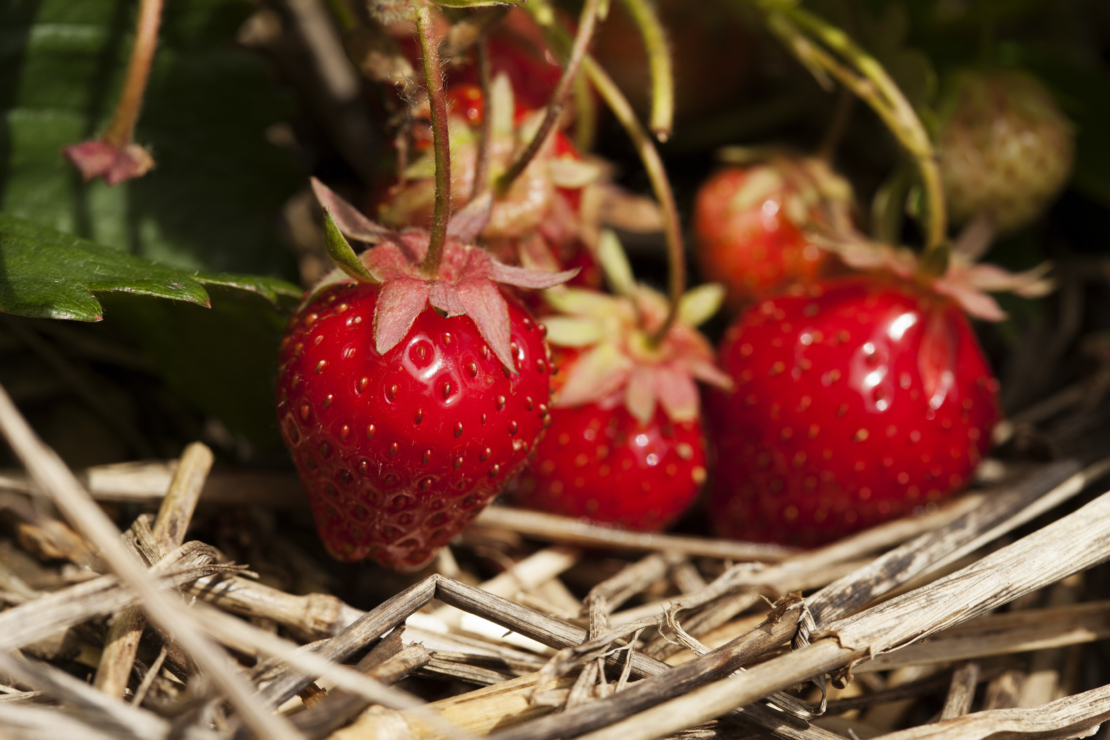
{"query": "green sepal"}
(341, 253)
(566, 331)
(700, 303)
(615, 264)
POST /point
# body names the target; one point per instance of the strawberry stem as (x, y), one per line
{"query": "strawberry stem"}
(122, 127)
(653, 164)
(842, 114)
(437, 104)
(585, 115)
(657, 174)
(586, 24)
(810, 38)
(661, 120)
(481, 166)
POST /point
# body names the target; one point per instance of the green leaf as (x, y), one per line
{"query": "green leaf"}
(218, 183)
(47, 274)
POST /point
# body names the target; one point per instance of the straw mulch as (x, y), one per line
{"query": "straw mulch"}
(982, 618)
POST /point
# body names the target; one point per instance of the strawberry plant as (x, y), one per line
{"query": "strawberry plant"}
(370, 255)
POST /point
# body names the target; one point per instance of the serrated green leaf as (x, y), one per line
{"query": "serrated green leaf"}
(218, 183)
(47, 274)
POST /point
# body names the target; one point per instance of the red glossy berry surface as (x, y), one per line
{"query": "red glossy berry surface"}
(602, 464)
(857, 401)
(400, 452)
(746, 237)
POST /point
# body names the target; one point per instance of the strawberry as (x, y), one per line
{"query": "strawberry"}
(625, 445)
(408, 401)
(753, 224)
(857, 400)
(1005, 148)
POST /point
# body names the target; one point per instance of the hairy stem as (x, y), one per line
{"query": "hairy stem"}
(437, 104)
(811, 38)
(586, 25)
(122, 126)
(661, 121)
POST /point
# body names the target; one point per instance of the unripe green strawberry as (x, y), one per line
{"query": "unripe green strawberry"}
(1005, 148)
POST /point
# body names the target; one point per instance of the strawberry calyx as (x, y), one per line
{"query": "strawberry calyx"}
(964, 280)
(619, 359)
(464, 282)
(532, 200)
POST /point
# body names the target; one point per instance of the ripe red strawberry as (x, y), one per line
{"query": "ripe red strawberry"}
(625, 445)
(1005, 148)
(752, 224)
(857, 400)
(408, 404)
(599, 462)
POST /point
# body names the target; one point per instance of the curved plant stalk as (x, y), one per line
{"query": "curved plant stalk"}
(657, 174)
(122, 127)
(586, 24)
(585, 115)
(820, 45)
(114, 155)
(481, 165)
(437, 104)
(661, 121)
(649, 155)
